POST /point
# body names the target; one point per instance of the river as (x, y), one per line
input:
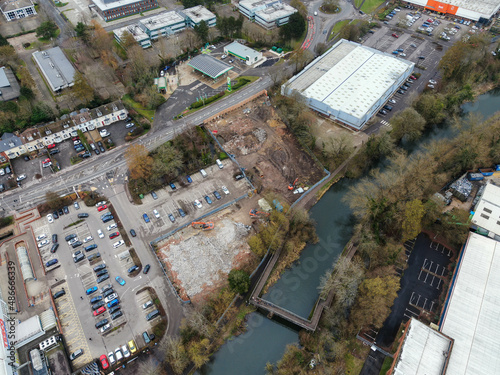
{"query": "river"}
(265, 340)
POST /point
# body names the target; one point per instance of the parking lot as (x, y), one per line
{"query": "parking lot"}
(83, 287)
(169, 201)
(421, 286)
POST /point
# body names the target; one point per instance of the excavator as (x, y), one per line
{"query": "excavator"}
(202, 225)
(254, 213)
(292, 185)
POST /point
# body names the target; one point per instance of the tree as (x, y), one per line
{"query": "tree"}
(199, 352)
(239, 281)
(81, 89)
(431, 107)
(176, 354)
(350, 32)
(320, 48)
(294, 28)
(202, 31)
(82, 31)
(344, 280)
(375, 298)
(53, 200)
(407, 124)
(46, 30)
(170, 157)
(150, 367)
(330, 6)
(25, 77)
(3, 41)
(127, 39)
(139, 162)
(412, 223)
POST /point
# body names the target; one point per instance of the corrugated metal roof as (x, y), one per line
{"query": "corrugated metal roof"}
(209, 65)
(472, 315)
(487, 214)
(425, 351)
(48, 319)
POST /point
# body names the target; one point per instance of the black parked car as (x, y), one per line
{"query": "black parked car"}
(132, 269)
(107, 292)
(146, 269)
(101, 323)
(114, 309)
(54, 247)
(69, 237)
(82, 215)
(54, 238)
(388, 107)
(99, 267)
(65, 209)
(132, 233)
(55, 214)
(61, 212)
(101, 273)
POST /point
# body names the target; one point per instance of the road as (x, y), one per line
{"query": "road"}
(91, 170)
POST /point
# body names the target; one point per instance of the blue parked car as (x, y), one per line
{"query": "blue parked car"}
(91, 247)
(115, 302)
(172, 186)
(95, 299)
(171, 217)
(91, 290)
(189, 179)
(51, 262)
(120, 280)
(181, 212)
(146, 218)
(207, 198)
(217, 195)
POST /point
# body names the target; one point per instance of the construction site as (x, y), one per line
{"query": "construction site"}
(199, 257)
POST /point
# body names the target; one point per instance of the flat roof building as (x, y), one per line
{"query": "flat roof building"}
(470, 318)
(56, 68)
(139, 35)
(423, 350)
(350, 82)
(267, 13)
(195, 15)
(112, 9)
(244, 53)
(9, 88)
(487, 212)
(163, 24)
(467, 9)
(17, 9)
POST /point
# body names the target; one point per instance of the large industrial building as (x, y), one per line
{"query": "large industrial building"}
(350, 82)
(467, 339)
(475, 10)
(195, 15)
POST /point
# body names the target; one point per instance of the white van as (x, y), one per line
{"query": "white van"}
(219, 164)
(203, 173)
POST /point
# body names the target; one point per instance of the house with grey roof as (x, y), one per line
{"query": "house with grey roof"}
(17, 9)
(11, 146)
(56, 68)
(9, 88)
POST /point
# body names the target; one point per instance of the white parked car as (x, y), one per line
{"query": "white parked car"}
(224, 189)
(100, 203)
(41, 237)
(118, 354)
(125, 351)
(100, 234)
(50, 218)
(430, 86)
(88, 239)
(156, 213)
(43, 243)
(112, 226)
(118, 244)
(432, 82)
(197, 204)
(21, 177)
(110, 298)
(129, 125)
(103, 133)
(2, 171)
(111, 355)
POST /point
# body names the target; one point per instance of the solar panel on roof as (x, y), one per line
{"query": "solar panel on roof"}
(209, 65)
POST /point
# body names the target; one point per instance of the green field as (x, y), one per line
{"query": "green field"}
(369, 5)
(337, 27)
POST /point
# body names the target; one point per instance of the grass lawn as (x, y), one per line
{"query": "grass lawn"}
(386, 365)
(148, 114)
(336, 28)
(353, 364)
(357, 3)
(370, 5)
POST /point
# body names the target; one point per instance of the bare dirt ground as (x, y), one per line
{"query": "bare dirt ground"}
(198, 261)
(324, 129)
(263, 145)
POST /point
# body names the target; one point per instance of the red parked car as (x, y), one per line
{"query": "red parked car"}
(104, 361)
(413, 77)
(395, 35)
(99, 311)
(113, 235)
(51, 146)
(102, 208)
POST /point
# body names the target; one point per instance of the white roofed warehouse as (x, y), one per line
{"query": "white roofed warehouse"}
(55, 67)
(244, 53)
(267, 13)
(199, 13)
(350, 82)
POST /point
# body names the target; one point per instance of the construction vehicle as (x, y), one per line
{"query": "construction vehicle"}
(255, 213)
(202, 225)
(292, 185)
